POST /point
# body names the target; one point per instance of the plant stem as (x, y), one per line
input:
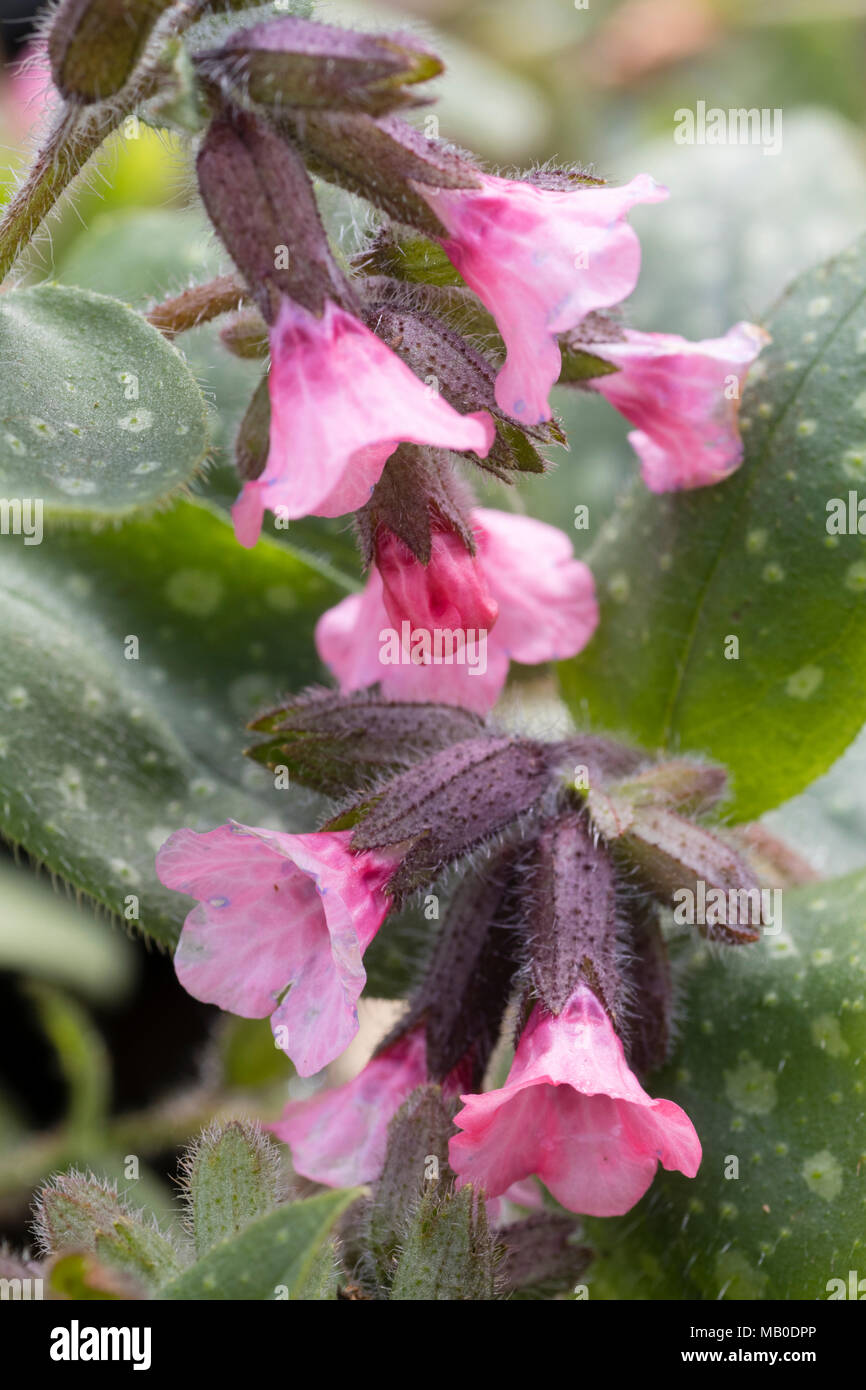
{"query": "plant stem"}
(198, 305)
(78, 133)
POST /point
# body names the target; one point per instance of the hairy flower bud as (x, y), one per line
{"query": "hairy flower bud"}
(452, 802)
(572, 915)
(246, 335)
(674, 856)
(95, 45)
(253, 437)
(297, 62)
(259, 197)
(336, 743)
(468, 979)
(378, 159)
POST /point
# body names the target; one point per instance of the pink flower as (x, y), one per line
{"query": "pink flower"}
(451, 591)
(572, 1112)
(275, 911)
(540, 259)
(338, 1137)
(685, 399)
(547, 611)
(341, 402)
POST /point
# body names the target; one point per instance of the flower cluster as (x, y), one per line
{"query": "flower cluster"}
(373, 393)
(554, 922)
(374, 402)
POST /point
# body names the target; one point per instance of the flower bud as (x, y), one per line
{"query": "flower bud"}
(572, 917)
(297, 62)
(452, 802)
(253, 437)
(337, 743)
(95, 45)
(468, 979)
(259, 197)
(378, 159)
(540, 1253)
(418, 489)
(674, 856)
(449, 592)
(246, 335)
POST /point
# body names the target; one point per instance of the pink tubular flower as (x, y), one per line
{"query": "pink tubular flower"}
(540, 259)
(275, 911)
(546, 604)
(449, 592)
(684, 398)
(341, 402)
(572, 1112)
(338, 1137)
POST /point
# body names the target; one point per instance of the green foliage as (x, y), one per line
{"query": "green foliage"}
(278, 1256)
(99, 414)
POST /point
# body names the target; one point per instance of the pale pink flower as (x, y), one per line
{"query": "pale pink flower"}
(547, 611)
(338, 1137)
(278, 910)
(540, 260)
(685, 399)
(341, 402)
(573, 1113)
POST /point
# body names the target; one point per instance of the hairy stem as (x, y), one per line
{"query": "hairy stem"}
(78, 133)
(198, 305)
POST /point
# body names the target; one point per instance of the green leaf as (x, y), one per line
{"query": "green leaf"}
(768, 1070)
(273, 1257)
(231, 1178)
(678, 576)
(99, 414)
(103, 756)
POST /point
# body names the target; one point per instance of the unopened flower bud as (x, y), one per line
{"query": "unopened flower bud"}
(674, 856)
(572, 915)
(379, 159)
(419, 489)
(246, 335)
(297, 62)
(259, 197)
(95, 45)
(450, 592)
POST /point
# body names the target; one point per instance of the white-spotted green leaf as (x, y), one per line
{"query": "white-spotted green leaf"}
(99, 414)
